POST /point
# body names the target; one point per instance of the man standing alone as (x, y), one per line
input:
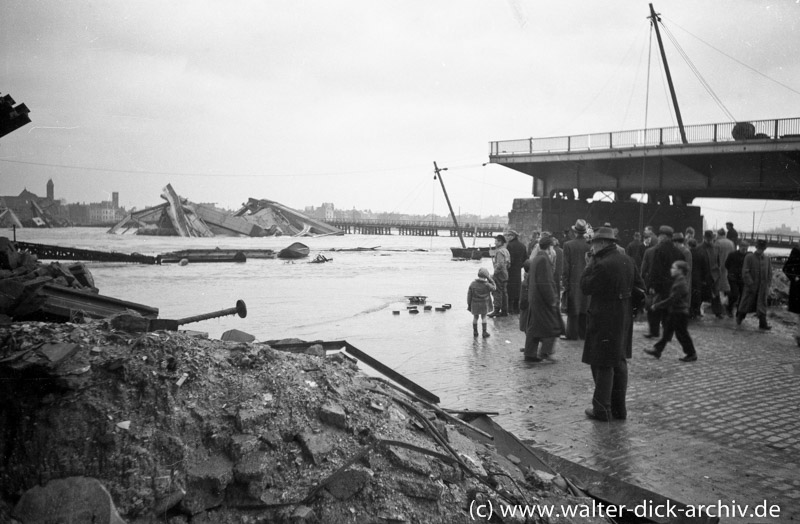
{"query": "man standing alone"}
(518, 254)
(609, 278)
(574, 262)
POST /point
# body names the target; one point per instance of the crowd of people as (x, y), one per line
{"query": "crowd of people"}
(672, 277)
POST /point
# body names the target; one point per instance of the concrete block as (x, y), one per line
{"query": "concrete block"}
(420, 489)
(205, 484)
(72, 499)
(234, 335)
(254, 467)
(250, 420)
(347, 483)
(334, 415)
(316, 446)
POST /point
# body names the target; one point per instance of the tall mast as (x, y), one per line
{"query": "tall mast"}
(439, 174)
(655, 19)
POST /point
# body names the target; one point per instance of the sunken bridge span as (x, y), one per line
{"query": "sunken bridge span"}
(415, 227)
(756, 159)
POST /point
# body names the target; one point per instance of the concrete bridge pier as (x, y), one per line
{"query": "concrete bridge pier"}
(529, 215)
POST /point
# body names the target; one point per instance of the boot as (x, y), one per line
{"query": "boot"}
(485, 333)
(474, 330)
(493, 313)
(762, 323)
(739, 318)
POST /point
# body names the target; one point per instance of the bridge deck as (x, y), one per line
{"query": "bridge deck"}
(758, 159)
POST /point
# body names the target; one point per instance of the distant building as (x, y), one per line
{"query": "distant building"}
(27, 205)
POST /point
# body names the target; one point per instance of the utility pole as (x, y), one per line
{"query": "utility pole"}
(655, 20)
(438, 173)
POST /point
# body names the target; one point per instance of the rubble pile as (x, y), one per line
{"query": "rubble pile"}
(170, 427)
(22, 275)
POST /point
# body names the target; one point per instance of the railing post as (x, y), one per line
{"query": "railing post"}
(775, 136)
(611, 140)
(715, 133)
(661, 136)
(530, 145)
(569, 143)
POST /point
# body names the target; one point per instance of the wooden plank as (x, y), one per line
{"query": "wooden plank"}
(392, 374)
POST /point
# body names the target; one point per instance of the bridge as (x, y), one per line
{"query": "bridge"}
(415, 227)
(757, 159)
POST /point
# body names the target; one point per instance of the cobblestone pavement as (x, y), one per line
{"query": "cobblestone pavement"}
(724, 428)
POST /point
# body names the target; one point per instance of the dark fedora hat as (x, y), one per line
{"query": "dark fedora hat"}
(604, 233)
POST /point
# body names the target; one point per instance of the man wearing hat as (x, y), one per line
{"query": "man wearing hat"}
(757, 276)
(609, 279)
(734, 265)
(517, 255)
(574, 262)
(659, 279)
(501, 264)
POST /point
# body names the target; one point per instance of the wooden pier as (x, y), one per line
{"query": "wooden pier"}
(416, 228)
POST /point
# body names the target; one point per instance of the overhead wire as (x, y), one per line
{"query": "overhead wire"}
(793, 90)
(697, 73)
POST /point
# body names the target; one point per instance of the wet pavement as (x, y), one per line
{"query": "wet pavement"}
(724, 428)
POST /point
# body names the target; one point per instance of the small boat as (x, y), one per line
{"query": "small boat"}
(471, 253)
(296, 250)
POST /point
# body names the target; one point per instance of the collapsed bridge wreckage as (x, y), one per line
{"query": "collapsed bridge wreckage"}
(257, 218)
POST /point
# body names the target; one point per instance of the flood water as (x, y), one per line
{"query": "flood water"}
(351, 298)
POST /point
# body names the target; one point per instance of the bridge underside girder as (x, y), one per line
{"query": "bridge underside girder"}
(684, 172)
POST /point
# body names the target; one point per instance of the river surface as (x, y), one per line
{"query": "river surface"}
(351, 298)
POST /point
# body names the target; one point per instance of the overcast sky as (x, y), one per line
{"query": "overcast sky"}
(306, 102)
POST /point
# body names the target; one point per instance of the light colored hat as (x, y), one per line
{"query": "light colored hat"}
(484, 273)
(512, 232)
(580, 226)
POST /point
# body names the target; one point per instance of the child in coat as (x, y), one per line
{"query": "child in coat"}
(479, 300)
(677, 306)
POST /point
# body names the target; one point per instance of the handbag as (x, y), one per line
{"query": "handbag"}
(641, 300)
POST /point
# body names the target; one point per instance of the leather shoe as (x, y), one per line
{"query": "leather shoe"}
(493, 314)
(689, 358)
(765, 327)
(533, 359)
(653, 352)
(592, 415)
(650, 335)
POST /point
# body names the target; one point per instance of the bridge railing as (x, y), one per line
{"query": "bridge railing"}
(773, 239)
(695, 134)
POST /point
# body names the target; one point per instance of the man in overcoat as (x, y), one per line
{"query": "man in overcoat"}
(792, 271)
(609, 278)
(659, 279)
(518, 253)
(757, 277)
(574, 262)
(544, 320)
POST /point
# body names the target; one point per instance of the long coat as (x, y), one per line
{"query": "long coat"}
(544, 318)
(574, 262)
(518, 253)
(724, 248)
(757, 277)
(659, 277)
(609, 279)
(792, 270)
(701, 273)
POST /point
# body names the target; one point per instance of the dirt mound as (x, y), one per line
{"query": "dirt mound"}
(179, 429)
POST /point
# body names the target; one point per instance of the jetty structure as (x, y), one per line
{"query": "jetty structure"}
(178, 216)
